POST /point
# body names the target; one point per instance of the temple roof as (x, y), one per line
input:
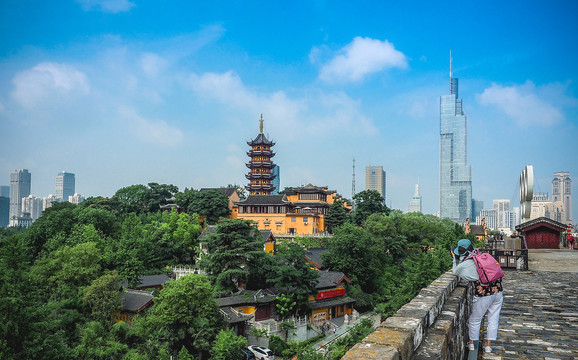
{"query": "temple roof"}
(261, 139)
(227, 191)
(264, 200)
(544, 221)
(309, 188)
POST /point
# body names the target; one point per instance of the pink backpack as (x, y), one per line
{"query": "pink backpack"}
(488, 268)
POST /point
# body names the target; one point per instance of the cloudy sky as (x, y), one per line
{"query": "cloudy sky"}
(124, 92)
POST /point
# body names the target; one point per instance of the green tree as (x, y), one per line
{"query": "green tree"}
(353, 251)
(184, 314)
(228, 346)
(103, 296)
(211, 204)
(133, 199)
(336, 215)
(293, 272)
(368, 202)
(97, 343)
(232, 250)
(58, 220)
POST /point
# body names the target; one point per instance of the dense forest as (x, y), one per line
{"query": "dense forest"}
(59, 278)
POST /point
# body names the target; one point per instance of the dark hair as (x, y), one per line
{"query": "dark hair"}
(462, 250)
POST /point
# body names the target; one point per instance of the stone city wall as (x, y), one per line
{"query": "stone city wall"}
(431, 326)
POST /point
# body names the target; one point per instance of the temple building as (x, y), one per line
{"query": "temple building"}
(260, 165)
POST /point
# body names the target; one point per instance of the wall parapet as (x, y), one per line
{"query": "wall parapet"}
(431, 326)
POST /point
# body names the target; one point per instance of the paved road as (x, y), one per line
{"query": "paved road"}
(539, 318)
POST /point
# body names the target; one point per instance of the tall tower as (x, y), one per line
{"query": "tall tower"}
(562, 191)
(65, 185)
(455, 173)
(415, 202)
(260, 165)
(19, 188)
(375, 180)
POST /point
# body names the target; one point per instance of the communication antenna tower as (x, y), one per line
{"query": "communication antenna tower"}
(353, 186)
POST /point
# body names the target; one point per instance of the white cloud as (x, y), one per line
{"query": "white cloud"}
(48, 80)
(526, 104)
(314, 113)
(361, 57)
(155, 132)
(110, 6)
(152, 64)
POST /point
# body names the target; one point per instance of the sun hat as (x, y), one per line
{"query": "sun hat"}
(464, 247)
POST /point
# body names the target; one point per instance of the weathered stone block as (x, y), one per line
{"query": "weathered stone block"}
(414, 326)
(371, 351)
(398, 339)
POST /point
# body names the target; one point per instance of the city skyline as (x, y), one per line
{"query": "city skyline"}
(126, 92)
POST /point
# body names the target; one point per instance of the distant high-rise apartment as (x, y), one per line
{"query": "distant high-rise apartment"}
(502, 207)
(276, 179)
(76, 199)
(375, 180)
(65, 186)
(49, 201)
(415, 202)
(19, 188)
(33, 206)
(562, 191)
(455, 173)
(491, 217)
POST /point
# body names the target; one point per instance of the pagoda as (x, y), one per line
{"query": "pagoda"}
(260, 165)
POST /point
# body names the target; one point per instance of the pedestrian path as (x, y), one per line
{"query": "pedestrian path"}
(539, 318)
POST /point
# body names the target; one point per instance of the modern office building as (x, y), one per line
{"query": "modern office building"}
(562, 191)
(491, 218)
(415, 202)
(33, 206)
(375, 180)
(477, 206)
(20, 181)
(502, 207)
(65, 185)
(455, 173)
(276, 179)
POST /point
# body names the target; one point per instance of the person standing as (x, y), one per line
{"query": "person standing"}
(488, 298)
(570, 242)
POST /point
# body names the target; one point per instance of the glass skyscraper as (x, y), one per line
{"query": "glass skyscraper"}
(455, 173)
(375, 180)
(65, 185)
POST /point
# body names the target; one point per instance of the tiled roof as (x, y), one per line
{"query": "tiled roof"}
(331, 302)
(329, 279)
(264, 200)
(314, 255)
(149, 281)
(246, 297)
(538, 221)
(260, 139)
(232, 316)
(136, 300)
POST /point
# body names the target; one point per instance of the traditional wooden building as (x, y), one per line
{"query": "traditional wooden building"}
(330, 301)
(479, 231)
(260, 165)
(246, 305)
(300, 211)
(542, 233)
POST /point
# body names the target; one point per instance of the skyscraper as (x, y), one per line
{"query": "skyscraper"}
(375, 180)
(415, 203)
(562, 191)
(276, 179)
(19, 188)
(32, 205)
(65, 186)
(4, 205)
(502, 207)
(455, 173)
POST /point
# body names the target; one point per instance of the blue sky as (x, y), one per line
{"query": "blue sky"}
(124, 92)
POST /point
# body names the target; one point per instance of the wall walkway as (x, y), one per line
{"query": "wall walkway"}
(539, 318)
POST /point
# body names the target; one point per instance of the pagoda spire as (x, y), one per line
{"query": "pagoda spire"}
(261, 125)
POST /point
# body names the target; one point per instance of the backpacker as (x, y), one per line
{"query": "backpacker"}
(488, 268)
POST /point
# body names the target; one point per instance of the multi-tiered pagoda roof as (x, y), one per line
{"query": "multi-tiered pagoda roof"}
(260, 165)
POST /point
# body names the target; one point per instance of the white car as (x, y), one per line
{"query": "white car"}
(261, 352)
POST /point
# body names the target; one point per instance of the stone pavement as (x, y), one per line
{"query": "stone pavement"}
(539, 318)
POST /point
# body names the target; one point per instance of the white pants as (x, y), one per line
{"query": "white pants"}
(485, 304)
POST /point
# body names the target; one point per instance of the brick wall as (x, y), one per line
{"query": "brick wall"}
(431, 326)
